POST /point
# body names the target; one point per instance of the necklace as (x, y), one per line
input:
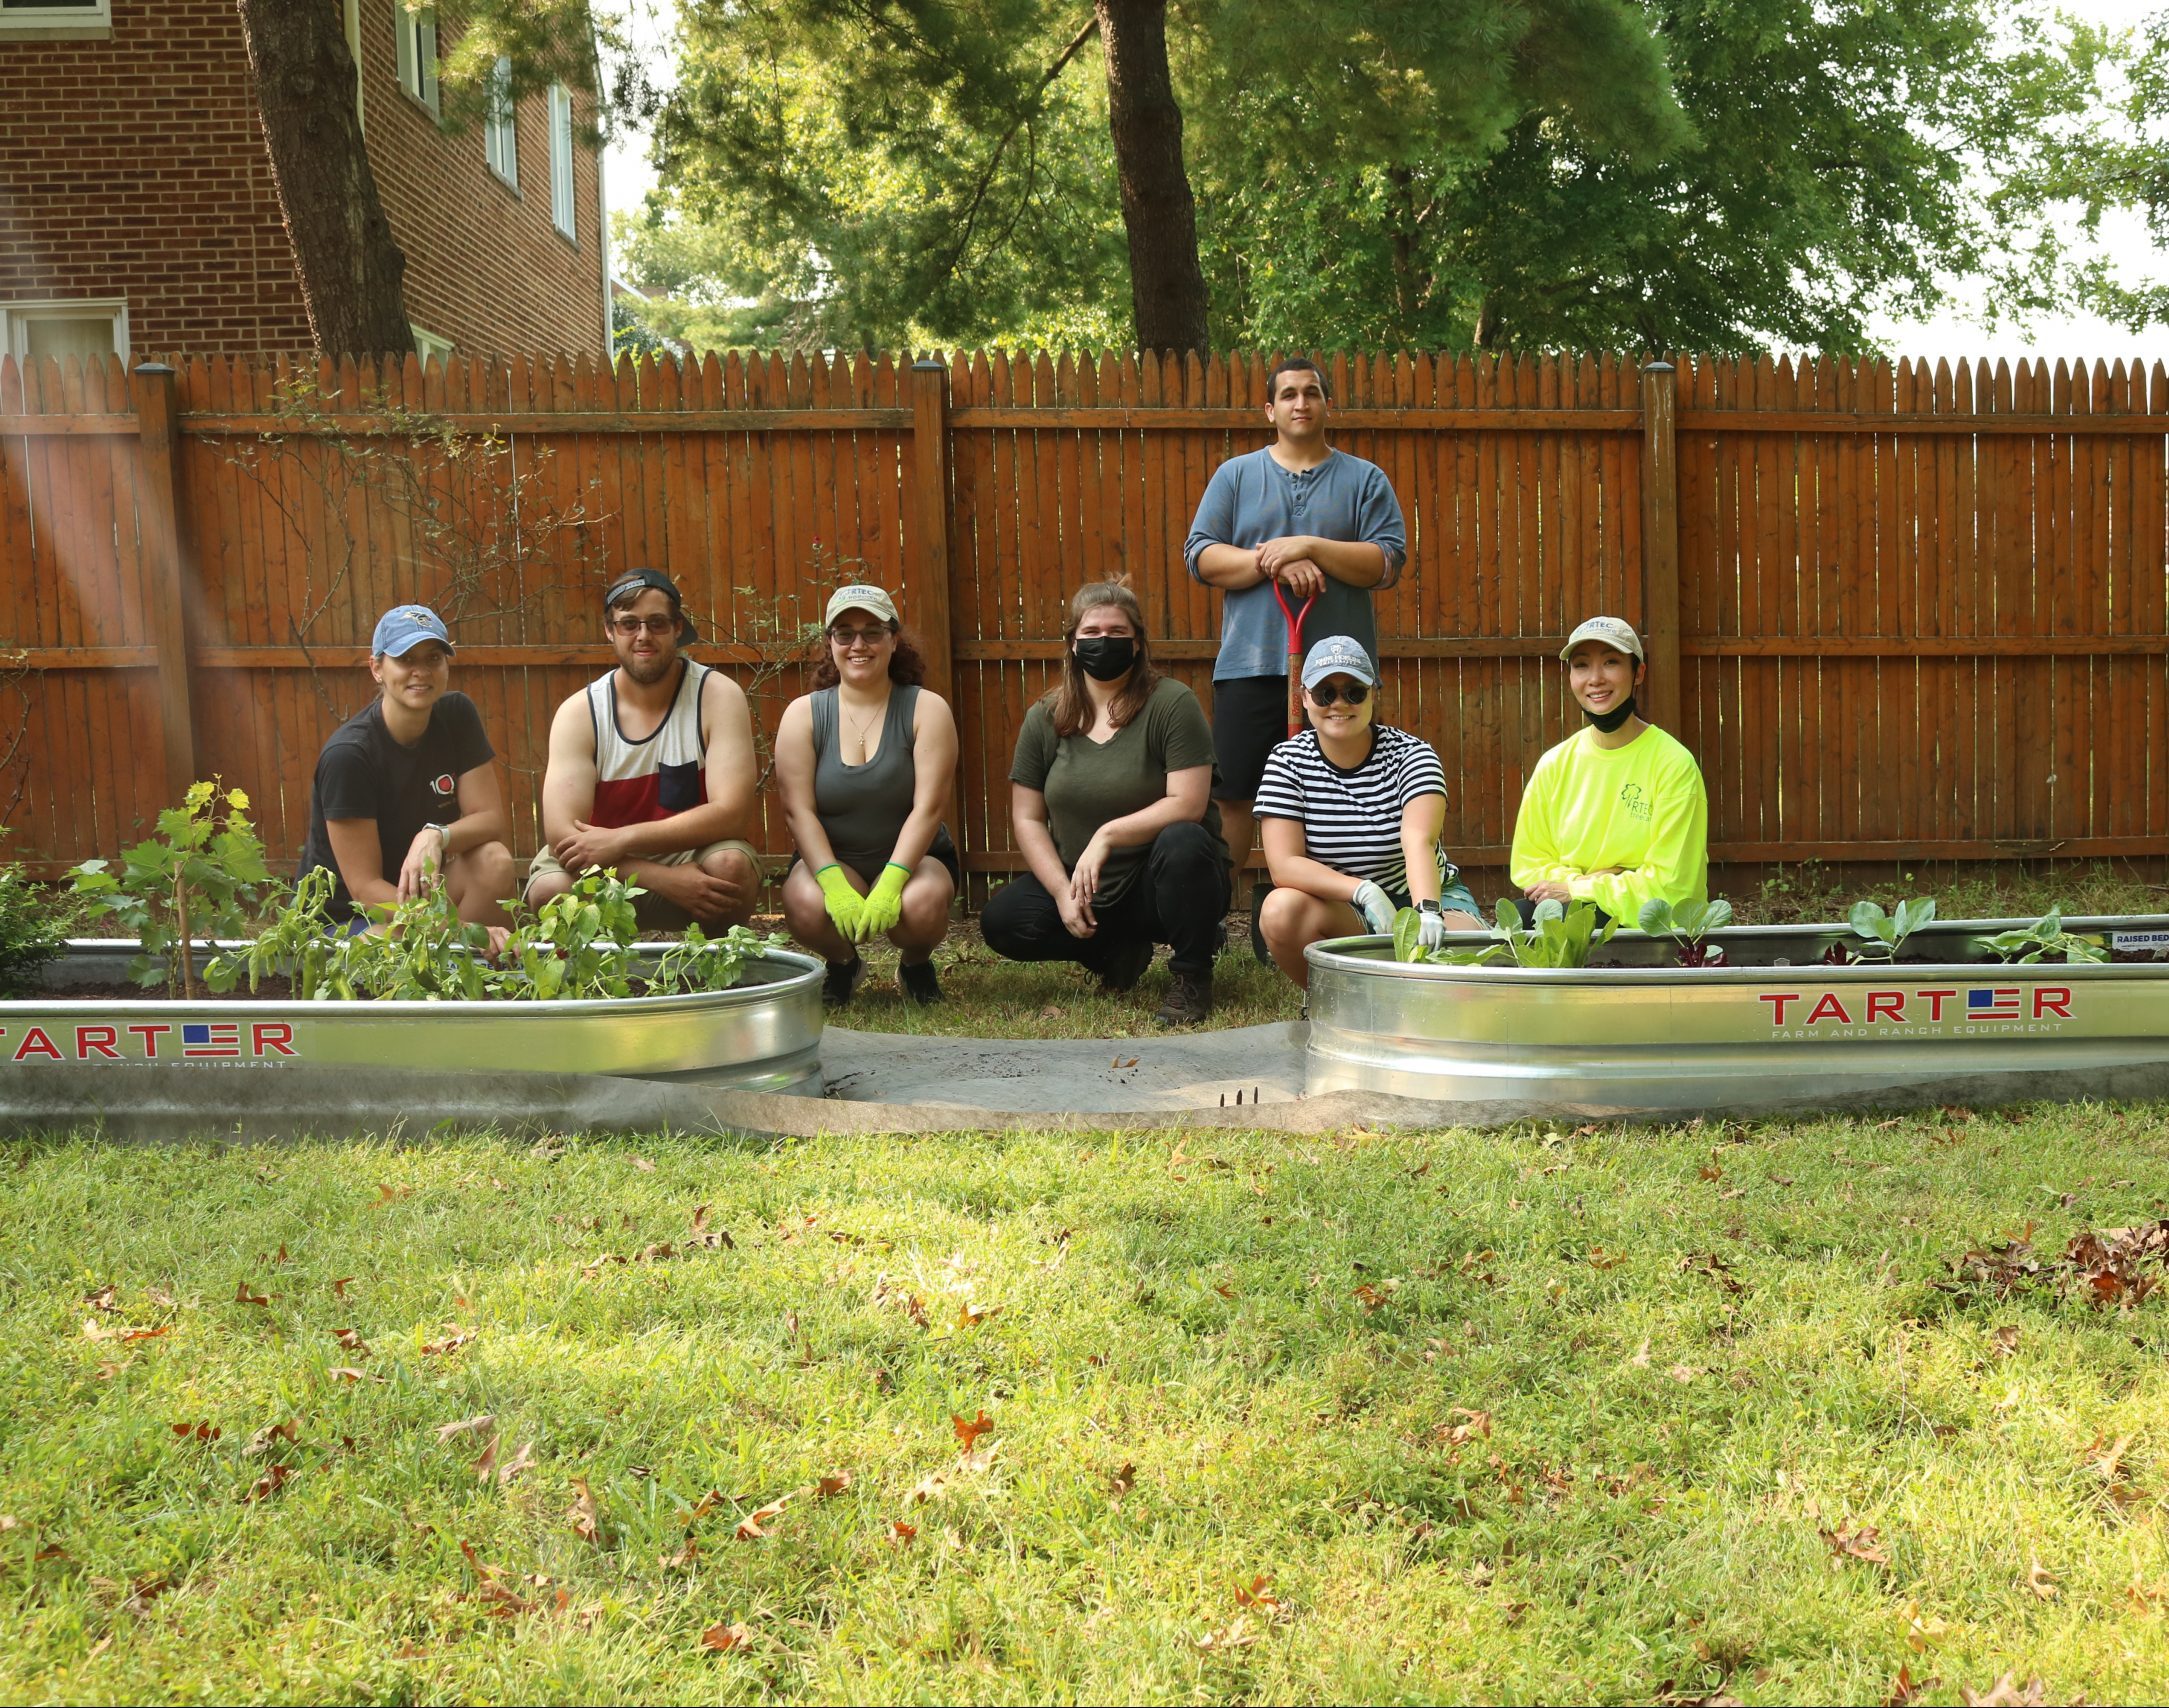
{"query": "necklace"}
(861, 729)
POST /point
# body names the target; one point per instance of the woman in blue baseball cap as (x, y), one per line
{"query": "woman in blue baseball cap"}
(406, 792)
(1350, 813)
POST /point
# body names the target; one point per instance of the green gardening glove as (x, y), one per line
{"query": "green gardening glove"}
(884, 903)
(845, 904)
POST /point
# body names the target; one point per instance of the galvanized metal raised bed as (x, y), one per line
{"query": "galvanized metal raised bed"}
(763, 1034)
(1775, 1030)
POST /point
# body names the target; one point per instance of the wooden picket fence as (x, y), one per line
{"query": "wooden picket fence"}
(1900, 614)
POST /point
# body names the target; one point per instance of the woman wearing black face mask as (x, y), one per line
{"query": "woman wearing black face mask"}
(1112, 807)
(1615, 814)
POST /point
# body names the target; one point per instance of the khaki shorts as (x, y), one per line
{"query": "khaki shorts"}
(654, 911)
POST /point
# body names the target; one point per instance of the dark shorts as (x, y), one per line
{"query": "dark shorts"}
(1250, 719)
(869, 866)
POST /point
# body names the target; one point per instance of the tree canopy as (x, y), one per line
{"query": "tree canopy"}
(1715, 174)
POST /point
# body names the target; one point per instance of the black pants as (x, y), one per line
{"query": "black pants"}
(1178, 899)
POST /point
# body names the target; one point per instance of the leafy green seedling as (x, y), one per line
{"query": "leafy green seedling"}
(1555, 936)
(1687, 925)
(1468, 950)
(1883, 934)
(202, 875)
(2044, 940)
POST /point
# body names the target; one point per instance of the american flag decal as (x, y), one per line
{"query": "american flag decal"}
(1992, 1004)
(200, 1038)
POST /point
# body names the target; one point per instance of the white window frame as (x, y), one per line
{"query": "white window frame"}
(563, 154)
(416, 32)
(15, 318)
(428, 344)
(501, 126)
(57, 23)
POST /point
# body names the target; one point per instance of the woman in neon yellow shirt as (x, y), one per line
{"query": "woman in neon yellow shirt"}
(1616, 813)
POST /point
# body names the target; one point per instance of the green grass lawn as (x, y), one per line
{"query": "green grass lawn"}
(1603, 1414)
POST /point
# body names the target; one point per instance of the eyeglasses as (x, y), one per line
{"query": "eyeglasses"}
(1328, 695)
(666, 624)
(873, 636)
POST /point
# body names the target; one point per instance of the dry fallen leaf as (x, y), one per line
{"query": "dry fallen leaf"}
(106, 1298)
(750, 1527)
(260, 1442)
(485, 1465)
(683, 1559)
(197, 1431)
(1683, 1372)
(1865, 1543)
(1235, 1635)
(161, 1298)
(465, 1426)
(2005, 1340)
(2040, 1579)
(900, 1532)
(969, 1432)
(267, 1485)
(1258, 1596)
(644, 1165)
(340, 1286)
(242, 1295)
(1473, 1424)
(1921, 1629)
(455, 1337)
(831, 1485)
(347, 1373)
(969, 1316)
(1122, 1482)
(522, 1461)
(1904, 1691)
(2006, 1692)
(392, 1194)
(722, 1638)
(586, 1524)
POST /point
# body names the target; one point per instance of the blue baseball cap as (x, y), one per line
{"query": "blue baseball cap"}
(1339, 655)
(404, 627)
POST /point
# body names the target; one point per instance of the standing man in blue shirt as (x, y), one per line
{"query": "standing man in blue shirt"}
(1317, 521)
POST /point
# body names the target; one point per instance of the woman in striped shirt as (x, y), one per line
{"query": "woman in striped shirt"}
(1350, 813)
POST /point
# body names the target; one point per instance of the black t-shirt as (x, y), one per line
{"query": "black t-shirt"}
(364, 772)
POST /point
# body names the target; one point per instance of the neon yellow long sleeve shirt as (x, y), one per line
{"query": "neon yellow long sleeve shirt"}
(1640, 808)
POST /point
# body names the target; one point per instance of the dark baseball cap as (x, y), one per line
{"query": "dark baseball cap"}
(634, 582)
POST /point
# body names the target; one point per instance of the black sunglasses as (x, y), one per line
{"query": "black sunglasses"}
(1328, 695)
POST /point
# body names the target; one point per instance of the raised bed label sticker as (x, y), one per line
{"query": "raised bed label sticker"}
(2156, 940)
(150, 1041)
(1951, 1011)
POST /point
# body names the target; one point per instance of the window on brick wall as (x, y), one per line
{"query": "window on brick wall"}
(48, 18)
(561, 157)
(500, 127)
(416, 29)
(64, 329)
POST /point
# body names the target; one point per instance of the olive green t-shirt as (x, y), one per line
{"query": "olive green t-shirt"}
(1087, 782)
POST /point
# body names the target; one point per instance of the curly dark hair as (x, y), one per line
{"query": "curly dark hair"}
(906, 668)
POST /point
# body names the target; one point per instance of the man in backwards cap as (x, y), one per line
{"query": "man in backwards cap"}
(651, 772)
(405, 789)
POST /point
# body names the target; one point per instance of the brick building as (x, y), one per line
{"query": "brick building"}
(137, 207)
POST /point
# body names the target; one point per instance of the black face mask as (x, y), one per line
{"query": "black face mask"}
(1106, 657)
(1612, 719)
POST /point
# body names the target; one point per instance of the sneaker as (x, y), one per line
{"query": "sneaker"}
(1128, 966)
(843, 978)
(917, 981)
(1189, 1000)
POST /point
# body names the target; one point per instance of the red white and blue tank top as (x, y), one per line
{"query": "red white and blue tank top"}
(638, 782)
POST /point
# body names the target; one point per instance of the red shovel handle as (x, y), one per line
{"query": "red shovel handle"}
(1295, 656)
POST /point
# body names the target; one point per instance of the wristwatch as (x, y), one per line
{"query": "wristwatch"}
(444, 835)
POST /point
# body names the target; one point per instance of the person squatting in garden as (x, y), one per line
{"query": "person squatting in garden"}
(651, 771)
(406, 791)
(1314, 522)
(864, 764)
(1111, 801)
(1350, 813)
(1615, 814)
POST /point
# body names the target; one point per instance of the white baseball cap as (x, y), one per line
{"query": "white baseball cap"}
(1614, 632)
(860, 596)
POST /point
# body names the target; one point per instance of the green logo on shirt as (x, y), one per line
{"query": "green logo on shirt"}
(1630, 797)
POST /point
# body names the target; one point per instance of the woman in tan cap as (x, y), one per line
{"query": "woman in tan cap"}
(864, 763)
(1616, 813)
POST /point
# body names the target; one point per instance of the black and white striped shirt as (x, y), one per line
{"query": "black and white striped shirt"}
(1352, 819)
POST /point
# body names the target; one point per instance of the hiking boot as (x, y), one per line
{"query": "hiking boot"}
(917, 981)
(843, 978)
(1189, 1000)
(1125, 969)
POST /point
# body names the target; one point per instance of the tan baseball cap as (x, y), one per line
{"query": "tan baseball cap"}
(860, 596)
(1614, 632)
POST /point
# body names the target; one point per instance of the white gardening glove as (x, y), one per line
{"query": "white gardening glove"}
(1431, 926)
(1375, 906)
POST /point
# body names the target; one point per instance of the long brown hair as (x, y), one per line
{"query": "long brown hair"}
(906, 668)
(1071, 703)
